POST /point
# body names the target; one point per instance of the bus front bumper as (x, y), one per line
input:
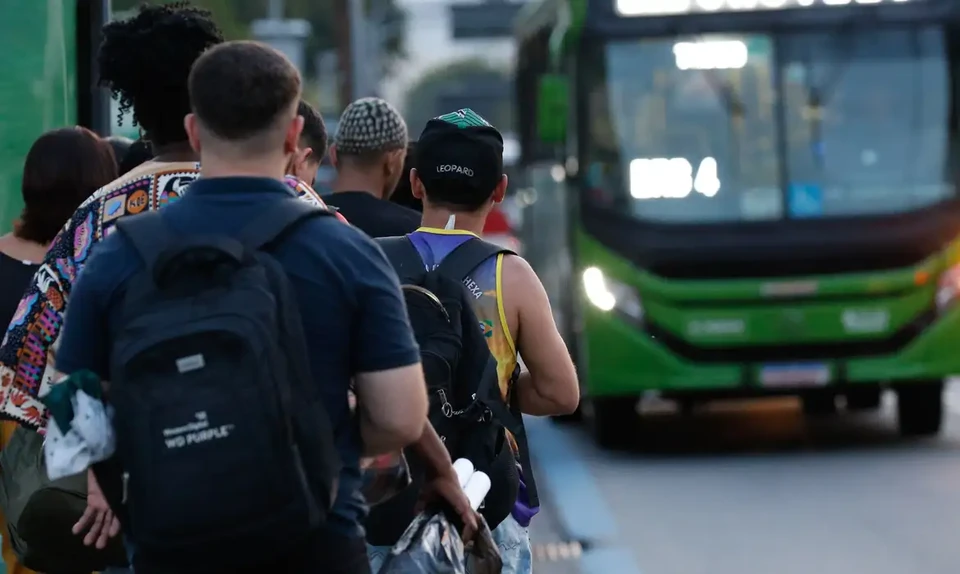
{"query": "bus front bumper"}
(622, 360)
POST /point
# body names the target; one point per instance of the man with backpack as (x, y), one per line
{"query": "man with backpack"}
(229, 326)
(474, 306)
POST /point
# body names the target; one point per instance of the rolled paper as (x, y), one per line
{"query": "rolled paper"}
(477, 488)
(464, 469)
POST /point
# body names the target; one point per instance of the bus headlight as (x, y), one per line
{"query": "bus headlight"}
(948, 288)
(608, 294)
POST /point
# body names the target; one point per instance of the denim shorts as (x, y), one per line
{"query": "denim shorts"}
(116, 570)
(512, 539)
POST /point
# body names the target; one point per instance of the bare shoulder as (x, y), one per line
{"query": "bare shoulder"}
(517, 274)
(523, 294)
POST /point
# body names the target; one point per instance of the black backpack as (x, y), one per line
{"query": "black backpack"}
(466, 406)
(226, 448)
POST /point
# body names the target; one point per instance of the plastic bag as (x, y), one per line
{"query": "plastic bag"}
(384, 477)
(483, 556)
(432, 545)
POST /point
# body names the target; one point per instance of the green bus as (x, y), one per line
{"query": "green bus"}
(48, 65)
(746, 198)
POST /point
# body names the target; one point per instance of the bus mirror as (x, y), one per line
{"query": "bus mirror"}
(552, 102)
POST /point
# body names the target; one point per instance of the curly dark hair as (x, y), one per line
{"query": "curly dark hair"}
(145, 61)
(61, 170)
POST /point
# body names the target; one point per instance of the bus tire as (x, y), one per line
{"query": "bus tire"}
(863, 399)
(920, 408)
(613, 421)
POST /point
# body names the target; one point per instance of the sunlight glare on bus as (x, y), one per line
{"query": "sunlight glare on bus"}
(711, 55)
(672, 178)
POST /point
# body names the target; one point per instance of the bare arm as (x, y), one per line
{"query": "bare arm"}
(433, 452)
(393, 408)
(387, 376)
(549, 387)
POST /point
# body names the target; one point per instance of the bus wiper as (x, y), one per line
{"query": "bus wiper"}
(818, 95)
(735, 109)
(724, 91)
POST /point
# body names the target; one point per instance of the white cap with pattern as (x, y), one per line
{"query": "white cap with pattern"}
(370, 125)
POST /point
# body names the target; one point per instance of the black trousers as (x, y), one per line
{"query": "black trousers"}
(323, 554)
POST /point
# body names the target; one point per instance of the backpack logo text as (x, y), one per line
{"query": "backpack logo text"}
(196, 432)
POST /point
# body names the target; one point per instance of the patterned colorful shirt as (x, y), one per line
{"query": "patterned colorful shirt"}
(26, 365)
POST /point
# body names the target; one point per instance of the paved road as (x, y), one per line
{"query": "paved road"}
(754, 489)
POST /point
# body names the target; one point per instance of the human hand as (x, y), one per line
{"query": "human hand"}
(446, 486)
(98, 520)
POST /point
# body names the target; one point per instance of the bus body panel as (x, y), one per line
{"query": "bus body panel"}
(717, 335)
(38, 89)
(709, 329)
(623, 361)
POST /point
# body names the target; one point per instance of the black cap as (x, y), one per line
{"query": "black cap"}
(460, 154)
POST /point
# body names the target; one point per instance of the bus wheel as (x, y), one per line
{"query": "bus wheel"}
(920, 408)
(613, 421)
(819, 404)
(866, 399)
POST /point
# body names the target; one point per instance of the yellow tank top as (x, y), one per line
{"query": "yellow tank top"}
(485, 283)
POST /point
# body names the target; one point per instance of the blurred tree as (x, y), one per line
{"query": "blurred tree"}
(234, 17)
(225, 12)
(457, 82)
(320, 14)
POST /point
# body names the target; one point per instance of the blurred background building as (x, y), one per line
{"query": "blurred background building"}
(427, 57)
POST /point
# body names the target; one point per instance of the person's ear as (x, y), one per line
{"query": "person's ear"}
(393, 164)
(500, 191)
(295, 164)
(305, 154)
(192, 127)
(332, 152)
(416, 186)
(291, 139)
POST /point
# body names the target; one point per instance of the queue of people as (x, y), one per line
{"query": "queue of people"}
(254, 351)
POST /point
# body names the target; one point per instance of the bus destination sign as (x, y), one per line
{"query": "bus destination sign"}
(634, 8)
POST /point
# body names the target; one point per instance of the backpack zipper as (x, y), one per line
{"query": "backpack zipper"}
(447, 409)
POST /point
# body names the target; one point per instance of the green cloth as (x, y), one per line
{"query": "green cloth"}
(58, 400)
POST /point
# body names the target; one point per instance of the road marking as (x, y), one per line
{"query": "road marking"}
(579, 503)
(557, 551)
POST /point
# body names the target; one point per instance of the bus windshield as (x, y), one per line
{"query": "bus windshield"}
(710, 128)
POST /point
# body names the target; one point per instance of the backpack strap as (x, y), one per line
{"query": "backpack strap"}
(512, 419)
(279, 218)
(467, 256)
(457, 265)
(149, 235)
(404, 257)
